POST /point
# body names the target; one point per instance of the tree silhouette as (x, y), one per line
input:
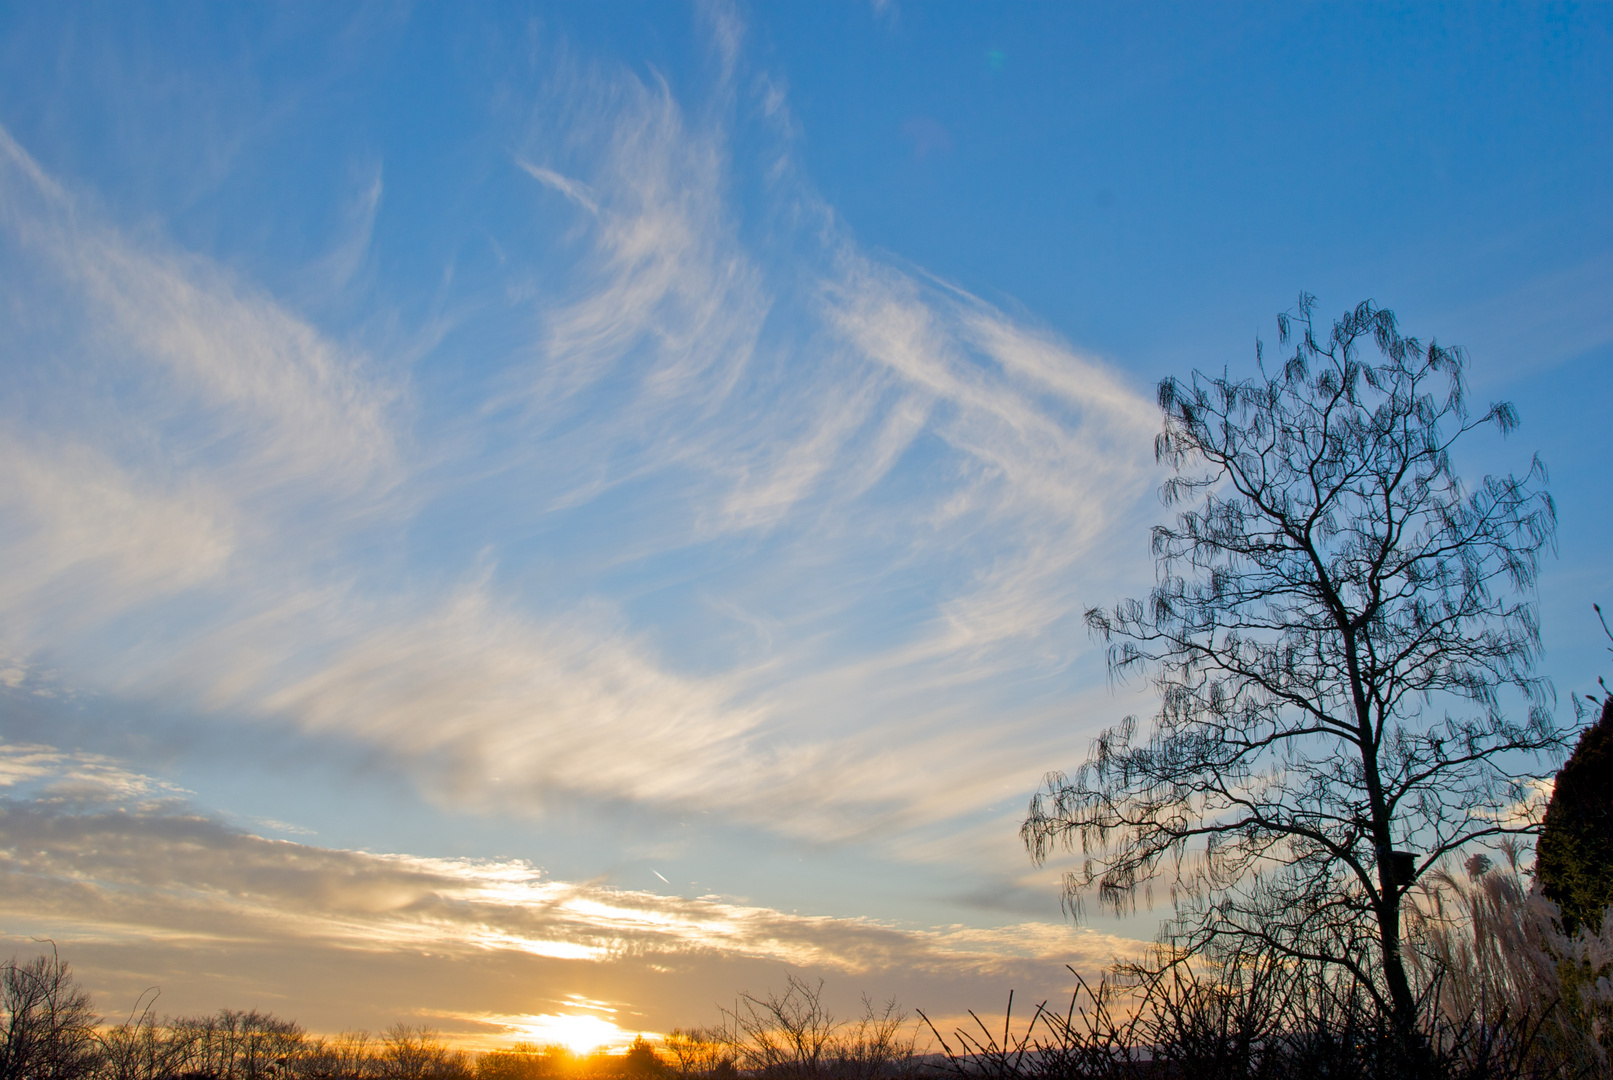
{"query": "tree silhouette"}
(1335, 620)
(47, 1023)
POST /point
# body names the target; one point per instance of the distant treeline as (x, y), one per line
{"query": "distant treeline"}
(1505, 994)
(49, 1030)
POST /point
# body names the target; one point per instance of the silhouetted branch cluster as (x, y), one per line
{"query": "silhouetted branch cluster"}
(793, 1036)
(1336, 619)
(48, 1022)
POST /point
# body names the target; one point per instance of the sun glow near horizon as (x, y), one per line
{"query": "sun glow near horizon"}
(580, 1033)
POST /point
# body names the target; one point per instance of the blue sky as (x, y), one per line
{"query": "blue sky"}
(511, 510)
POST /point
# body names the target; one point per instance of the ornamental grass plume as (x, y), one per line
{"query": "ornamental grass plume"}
(1491, 948)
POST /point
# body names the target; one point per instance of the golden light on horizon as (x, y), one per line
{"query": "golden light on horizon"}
(580, 1033)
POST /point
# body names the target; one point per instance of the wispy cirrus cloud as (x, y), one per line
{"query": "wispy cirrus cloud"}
(225, 450)
(86, 539)
(892, 442)
(904, 486)
(213, 365)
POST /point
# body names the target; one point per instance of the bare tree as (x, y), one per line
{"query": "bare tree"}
(235, 1045)
(47, 1022)
(699, 1051)
(411, 1052)
(880, 1044)
(1336, 620)
(145, 1048)
(348, 1056)
(787, 1035)
(793, 1035)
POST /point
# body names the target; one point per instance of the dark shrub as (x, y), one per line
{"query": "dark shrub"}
(1574, 857)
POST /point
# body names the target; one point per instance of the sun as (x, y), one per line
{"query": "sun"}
(579, 1033)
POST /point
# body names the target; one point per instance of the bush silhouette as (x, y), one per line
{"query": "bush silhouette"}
(1574, 856)
(641, 1059)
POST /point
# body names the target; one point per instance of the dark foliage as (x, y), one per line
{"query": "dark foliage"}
(1574, 856)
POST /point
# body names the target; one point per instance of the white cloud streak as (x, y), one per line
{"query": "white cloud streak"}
(85, 539)
(268, 390)
(110, 858)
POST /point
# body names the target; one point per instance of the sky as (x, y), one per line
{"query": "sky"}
(522, 512)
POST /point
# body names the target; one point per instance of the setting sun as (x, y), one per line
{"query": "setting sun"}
(579, 1033)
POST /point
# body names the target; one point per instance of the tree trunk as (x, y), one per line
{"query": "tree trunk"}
(1402, 1004)
(1394, 965)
